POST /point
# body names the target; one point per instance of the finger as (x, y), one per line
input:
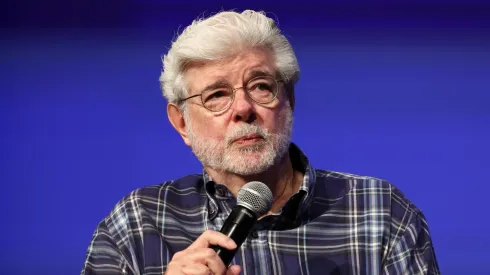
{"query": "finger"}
(208, 257)
(213, 238)
(234, 270)
(196, 269)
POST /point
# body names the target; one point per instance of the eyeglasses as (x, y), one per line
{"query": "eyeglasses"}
(262, 90)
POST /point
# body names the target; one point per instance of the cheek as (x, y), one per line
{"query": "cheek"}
(282, 118)
(273, 120)
(208, 127)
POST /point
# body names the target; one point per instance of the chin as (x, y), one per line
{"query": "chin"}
(248, 171)
(257, 147)
(248, 163)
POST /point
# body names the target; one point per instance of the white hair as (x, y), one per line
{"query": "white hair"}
(223, 35)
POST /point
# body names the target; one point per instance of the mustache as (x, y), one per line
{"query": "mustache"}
(244, 130)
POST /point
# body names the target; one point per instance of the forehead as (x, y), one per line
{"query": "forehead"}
(232, 70)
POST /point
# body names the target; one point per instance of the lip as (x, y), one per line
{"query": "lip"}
(250, 138)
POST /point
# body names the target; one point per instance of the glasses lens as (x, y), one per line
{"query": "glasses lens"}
(262, 89)
(217, 99)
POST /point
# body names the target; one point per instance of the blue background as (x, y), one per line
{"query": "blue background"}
(396, 91)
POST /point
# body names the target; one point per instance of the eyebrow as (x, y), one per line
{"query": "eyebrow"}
(257, 73)
(220, 83)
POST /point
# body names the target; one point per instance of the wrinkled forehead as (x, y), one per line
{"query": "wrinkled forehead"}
(233, 70)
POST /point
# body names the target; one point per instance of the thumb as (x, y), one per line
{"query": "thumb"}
(234, 270)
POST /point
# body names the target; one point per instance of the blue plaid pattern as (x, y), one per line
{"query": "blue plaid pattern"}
(337, 223)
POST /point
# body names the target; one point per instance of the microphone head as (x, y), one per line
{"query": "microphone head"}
(255, 196)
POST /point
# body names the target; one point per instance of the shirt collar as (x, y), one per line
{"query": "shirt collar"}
(301, 161)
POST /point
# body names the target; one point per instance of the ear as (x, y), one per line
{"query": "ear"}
(176, 118)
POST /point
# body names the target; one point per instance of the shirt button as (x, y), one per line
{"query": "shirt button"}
(220, 192)
(255, 235)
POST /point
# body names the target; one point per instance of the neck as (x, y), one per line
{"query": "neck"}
(280, 178)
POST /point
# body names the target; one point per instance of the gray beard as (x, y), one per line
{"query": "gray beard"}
(245, 160)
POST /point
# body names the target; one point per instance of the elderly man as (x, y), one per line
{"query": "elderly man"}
(229, 81)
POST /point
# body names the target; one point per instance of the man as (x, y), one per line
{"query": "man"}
(229, 81)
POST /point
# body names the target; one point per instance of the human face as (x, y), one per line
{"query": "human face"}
(248, 138)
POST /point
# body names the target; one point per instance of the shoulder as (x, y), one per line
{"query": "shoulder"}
(406, 239)
(363, 188)
(375, 198)
(148, 202)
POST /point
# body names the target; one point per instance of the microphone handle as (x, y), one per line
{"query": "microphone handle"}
(237, 226)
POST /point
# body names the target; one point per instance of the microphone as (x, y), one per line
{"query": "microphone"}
(254, 199)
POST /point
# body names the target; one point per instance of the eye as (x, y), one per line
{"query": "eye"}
(215, 95)
(263, 87)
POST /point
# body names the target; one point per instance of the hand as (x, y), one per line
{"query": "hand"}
(200, 258)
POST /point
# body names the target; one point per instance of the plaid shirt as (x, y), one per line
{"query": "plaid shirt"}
(336, 223)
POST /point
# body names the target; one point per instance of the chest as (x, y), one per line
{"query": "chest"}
(316, 248)
(333, 243)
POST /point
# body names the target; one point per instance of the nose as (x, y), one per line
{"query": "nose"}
(243, 107)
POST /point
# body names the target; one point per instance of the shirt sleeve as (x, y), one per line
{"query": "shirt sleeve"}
(103, 255)
(413, 251)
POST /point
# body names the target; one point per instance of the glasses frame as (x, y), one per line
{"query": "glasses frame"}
(238, 88)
